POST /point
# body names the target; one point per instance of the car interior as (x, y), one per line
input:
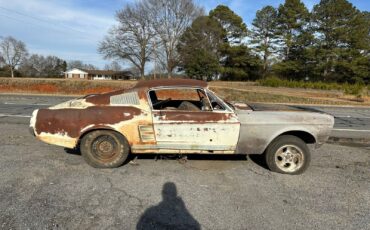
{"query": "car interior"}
(180, 99)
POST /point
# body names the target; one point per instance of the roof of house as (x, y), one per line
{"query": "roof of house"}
(106, 72)
(102, 72)
(170, 82)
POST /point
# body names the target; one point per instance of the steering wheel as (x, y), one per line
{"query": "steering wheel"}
(160, 103)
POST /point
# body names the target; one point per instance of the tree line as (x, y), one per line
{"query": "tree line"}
(329, 43)
(15, 61)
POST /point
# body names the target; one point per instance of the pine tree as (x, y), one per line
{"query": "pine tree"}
(293, 18)
(264, 34)
(236, 59)
(343, 40)
(295, 39)
(199, 48)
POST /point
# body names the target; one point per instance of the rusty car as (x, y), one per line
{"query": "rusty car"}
(181, 116)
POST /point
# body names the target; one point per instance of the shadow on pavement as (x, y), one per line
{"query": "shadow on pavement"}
(170, 213)
(208, 157)
(75, 151)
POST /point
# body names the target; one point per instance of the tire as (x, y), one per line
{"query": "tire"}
(104, 149)
(288, 155)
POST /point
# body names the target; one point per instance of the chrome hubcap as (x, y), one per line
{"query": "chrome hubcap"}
(289, 158)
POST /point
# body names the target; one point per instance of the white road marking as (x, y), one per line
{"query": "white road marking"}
(352, 130)
(11, 103)
(13, 115)
(348, 116)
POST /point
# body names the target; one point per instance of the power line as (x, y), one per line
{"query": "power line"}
(41, 20)
(84, 36)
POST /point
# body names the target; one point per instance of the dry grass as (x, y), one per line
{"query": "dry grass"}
(235, 91)
(60, 86)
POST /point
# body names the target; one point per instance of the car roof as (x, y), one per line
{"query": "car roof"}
(170, 82)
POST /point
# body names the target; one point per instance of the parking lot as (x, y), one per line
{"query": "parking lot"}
(48, 187)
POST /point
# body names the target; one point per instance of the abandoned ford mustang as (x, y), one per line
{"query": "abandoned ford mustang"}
(179, 117)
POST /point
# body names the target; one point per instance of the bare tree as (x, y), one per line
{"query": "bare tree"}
(13, 51)
(131, 39)
(170, 18)
(42, 66)
(114, 65)
(2, 61)
(80, 65)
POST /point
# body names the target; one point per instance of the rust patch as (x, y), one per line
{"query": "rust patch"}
(201, 116)
(70, 122)
(176, 94)
(171, 82)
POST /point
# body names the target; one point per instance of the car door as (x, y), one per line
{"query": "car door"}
(189, 129)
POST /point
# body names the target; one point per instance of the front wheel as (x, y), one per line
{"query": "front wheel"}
(288, 155)
(104, 149)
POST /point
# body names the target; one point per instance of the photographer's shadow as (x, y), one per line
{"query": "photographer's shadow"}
(170, 213)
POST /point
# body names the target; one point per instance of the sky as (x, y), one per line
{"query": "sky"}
(72, 29)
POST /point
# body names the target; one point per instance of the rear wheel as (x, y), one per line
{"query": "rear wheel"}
(104, 149)
(288, 154)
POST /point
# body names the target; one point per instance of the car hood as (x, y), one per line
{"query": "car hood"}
(272, 107)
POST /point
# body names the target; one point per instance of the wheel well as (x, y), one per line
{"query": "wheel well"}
(96, 129)
(308, 138)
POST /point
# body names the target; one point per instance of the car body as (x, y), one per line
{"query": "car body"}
(176, 116)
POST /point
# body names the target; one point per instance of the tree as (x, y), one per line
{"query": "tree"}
(236, 59)
(12, 51)
(293, 18)
(170, 19)
(238, 64)
(80, 65)
(41, 66)
(131, 39)
(295, 41)
(236, 29)
(199, 48)
(343, 40)
(264, 37)
(113, 66)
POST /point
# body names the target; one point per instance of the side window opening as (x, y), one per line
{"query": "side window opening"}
(185, 99)
(216, 104)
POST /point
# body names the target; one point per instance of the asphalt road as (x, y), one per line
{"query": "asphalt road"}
(46, 187)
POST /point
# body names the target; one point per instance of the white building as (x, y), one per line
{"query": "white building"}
(97, 74)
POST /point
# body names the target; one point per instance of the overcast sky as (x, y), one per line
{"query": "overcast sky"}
(72, 29)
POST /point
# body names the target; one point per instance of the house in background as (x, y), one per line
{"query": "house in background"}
(98, 74)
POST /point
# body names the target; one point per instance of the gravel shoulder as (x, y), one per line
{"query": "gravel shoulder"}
(44, 187)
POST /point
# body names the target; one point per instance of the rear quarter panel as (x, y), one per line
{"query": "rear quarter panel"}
(64, 124)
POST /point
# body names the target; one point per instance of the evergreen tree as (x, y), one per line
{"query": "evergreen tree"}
(236, 59)
(236, 29)
(238, 64)
(295, 39)
(264, 34)
(199, 48)
(343, 40)
(293, 18)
